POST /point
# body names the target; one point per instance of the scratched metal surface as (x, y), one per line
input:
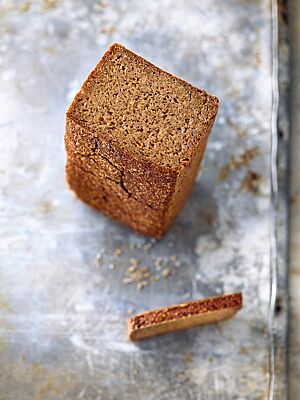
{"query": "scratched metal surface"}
(63, 302)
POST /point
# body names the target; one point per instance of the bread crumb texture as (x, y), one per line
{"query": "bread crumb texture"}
(187, 310)
(184, 316)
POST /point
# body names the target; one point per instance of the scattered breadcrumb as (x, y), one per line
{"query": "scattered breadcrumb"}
(111, 266)
(245, 350)
(139, 276)
(51, 50)
(156, 278)
(132, 246)
(25, 7)
(166, 272)
(148, 246)
(251, 182)
(141, 285)
(118, 252)
(224, 172)
(127, 280)
(147, 275)
(208, 217)
(49, 5)
(238, 162)
(101, 4)
(158, 263)
(98, 259)
(249, 154)
(130, 311)
(110, 30)
(183, 377)
(134, 261)
(257, 57)
(240, 132)
(188, 358)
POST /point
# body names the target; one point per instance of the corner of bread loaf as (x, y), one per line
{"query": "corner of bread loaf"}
(111, 50)
(215, 100)
(116, 46)
(130, 333)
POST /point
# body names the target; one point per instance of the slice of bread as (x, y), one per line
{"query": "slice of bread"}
(184, 316)
(136, 135)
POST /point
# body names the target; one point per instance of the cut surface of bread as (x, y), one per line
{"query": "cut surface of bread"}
(184, 316)
(148, 111)
(143, 126)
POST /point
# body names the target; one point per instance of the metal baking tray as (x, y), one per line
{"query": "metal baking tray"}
(65, 295)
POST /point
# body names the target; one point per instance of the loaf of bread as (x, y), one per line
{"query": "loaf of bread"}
(135, 137)
(184, 316)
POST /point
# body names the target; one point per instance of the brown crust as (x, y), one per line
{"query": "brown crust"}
(138, 171)
(165, 192)
(183, 316)
(114, 191)
(109, 197)
(140, 193)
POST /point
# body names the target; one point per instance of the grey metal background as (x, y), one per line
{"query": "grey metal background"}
(62, 315)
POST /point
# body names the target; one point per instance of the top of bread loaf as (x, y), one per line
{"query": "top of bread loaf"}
(143, 109)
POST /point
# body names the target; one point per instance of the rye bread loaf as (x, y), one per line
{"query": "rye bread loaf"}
(135, 137)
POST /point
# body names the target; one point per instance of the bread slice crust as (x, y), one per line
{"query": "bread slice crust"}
(184, 316)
